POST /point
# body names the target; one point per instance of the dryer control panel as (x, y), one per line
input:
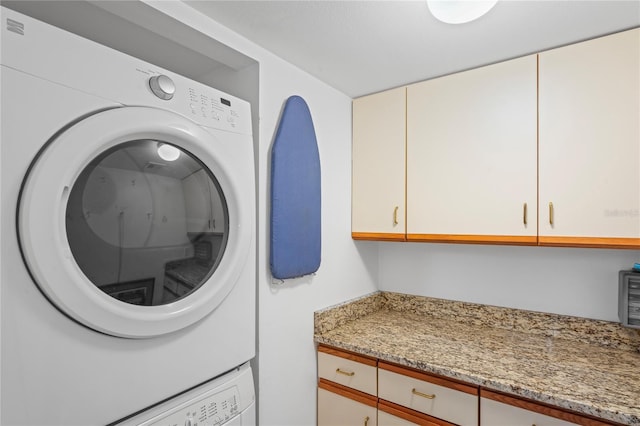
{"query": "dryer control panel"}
(80, 63)
(208, 106)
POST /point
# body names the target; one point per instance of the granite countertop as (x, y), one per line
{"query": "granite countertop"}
(587, 366)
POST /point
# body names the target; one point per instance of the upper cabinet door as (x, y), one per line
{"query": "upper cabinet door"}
(590, 143)
(471, 156)
(378, 181)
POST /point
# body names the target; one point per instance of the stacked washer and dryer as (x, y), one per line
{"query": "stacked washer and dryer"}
(127, 264)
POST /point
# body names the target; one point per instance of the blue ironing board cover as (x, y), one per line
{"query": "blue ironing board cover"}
(295, 194)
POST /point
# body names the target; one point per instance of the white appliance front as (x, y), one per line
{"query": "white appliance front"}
(128, 222)
(228, 400)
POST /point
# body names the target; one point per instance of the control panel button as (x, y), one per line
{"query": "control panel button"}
(162, 86)
(189, 421)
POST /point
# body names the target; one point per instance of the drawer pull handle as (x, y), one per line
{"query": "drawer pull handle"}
(366, 421)
(346, 373)
(551, 214)
(424, 395)
(395, 216)
(524, 213)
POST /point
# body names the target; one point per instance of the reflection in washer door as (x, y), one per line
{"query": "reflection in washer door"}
(145, 227)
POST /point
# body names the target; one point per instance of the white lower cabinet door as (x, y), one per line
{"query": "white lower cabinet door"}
(356, 373)
(494, 413)
(339, 410)
(386, 419)
(439, 401)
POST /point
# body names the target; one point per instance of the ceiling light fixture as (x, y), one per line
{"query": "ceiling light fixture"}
(168, 152)
(459, 11)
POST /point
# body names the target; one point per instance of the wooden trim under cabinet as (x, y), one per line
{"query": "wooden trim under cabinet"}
(362, 359)
(410, 415)
(547, 410)
(378, 236)
(427, 377)
(590, 242)
(347, 392)
(530, 240)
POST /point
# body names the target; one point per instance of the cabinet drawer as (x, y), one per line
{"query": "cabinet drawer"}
(437, 397)
(390, 414)
(386, 419)
(497, 409)
(339, 409)
(350, 370)
(495, 413)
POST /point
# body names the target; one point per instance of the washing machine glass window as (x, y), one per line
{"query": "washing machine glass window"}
(125, 240)
(145, 209)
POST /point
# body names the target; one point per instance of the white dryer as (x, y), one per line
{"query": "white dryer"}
(128, 221)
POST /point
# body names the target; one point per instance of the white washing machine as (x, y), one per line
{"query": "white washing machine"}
(228, 400)
(128, 221)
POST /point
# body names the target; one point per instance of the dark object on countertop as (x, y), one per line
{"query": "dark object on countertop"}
(629, 298)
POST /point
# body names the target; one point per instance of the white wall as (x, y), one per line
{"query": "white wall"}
(286, 352)
(569, 281)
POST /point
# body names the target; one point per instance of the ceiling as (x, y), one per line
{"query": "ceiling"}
(362, 47)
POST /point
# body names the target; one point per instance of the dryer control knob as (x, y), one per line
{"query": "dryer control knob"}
(162, 86)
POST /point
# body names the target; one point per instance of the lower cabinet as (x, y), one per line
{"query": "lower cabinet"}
(388, 419)
(498, 414)
(357, 390)
(390, 414)
(340, 407)
(347, 389)
(437, 397)
(497, 409)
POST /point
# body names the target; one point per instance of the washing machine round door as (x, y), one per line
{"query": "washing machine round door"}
(132, 222)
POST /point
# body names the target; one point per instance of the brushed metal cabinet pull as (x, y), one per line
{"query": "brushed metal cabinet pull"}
(346, 373)
(551, 214)
(424, 395)
(524, 214)
(366, 421)
(395, 216)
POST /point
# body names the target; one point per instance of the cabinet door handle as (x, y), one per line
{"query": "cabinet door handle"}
(395, 216)
(424, 395)
(551, 214)
(366, 421)
(524, 213)
(346, 373)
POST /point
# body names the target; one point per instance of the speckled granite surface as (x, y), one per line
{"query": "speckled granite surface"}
(592, 367)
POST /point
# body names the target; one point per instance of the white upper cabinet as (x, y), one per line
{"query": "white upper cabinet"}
(471, 155)
(543, 149)
(378, 180)
(589, 142)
